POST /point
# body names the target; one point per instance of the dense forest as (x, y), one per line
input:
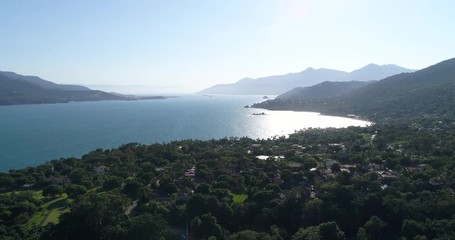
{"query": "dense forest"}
(392, 180)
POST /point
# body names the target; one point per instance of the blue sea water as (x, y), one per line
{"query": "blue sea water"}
(33, 134)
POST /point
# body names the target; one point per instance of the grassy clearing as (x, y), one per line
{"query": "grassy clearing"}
(36, 219)
(49, 211)
(239, 198)
(53, 216)
(55, 203)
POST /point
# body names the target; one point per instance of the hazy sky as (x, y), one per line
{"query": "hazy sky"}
(187, 45)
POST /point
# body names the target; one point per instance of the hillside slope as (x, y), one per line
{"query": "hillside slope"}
(18, 89)
(42, 83)
(323, 90)
(428, 92)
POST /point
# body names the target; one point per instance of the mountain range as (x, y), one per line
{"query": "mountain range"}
(19, 89)
(274, 85)
(427, 92)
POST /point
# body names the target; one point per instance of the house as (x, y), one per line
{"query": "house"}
(262, 157)
(294, 165)
(348, 167)
(326, 173)
(298, 146)
(265, 157)
(190, 172)
(336, 147)
(101, 169)
(388, 176)
(376, 167)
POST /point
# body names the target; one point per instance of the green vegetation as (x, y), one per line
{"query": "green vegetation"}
(48, 212)
(323, 90)
(428, 92)
(239, 198)
(331, 184)
(392, 180)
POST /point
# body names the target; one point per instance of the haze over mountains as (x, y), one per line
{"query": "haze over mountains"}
(41, 82)
(429, 91)
(19, 89)
(279, 84)
(317, 83)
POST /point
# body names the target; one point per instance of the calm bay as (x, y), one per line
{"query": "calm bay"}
(33, 134)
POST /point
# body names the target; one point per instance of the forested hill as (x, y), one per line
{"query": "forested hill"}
(18, 89)
(323, 90)
(428, 92)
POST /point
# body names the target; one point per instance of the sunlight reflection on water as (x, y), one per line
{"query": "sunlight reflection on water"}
(287, 122)
(33, 134)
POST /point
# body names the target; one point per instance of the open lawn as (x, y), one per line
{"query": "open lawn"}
(53, 216)
(49, 211)
(239, 198)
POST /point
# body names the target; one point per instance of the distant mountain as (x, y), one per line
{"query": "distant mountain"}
(42, 83)
(375, 72)
(274, 85)
(18, 89)
(279, 84)
(323, 90)
(427, 92)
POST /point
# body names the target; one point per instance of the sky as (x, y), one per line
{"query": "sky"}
(183, 46)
